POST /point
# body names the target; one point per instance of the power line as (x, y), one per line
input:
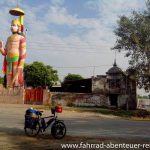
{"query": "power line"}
(71, 51)
(64, 49)
(83, 40)
(72, 47)
(66, 67)
(68, 45)
(64, 43)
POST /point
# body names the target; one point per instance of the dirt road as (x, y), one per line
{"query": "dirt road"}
(81, 127)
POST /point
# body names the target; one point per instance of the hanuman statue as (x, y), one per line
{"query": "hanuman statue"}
(14, 56)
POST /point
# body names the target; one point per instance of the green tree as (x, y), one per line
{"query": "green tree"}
(1, 80)
(38, 74)
(73, 77)
(70, 77)
(133, 37)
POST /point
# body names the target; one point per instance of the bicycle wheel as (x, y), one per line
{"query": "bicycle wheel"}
(58, 130)
(33, 130)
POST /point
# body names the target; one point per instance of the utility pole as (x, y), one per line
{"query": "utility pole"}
(127, 105)
(93, 71)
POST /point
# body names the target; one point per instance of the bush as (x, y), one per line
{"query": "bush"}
(70, 103)
(142, 113)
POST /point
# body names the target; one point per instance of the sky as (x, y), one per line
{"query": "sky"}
(73, 36)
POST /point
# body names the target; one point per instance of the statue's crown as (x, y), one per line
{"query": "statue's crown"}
(16, 22)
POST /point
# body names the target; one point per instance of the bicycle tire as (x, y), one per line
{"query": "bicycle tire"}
(33, 130)
(58, 130)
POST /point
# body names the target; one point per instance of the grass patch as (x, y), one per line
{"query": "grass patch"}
(138, 114)
(140, 118)
(105, 111)
(142, 114)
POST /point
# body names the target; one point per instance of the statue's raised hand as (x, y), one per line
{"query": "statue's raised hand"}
(1, 44)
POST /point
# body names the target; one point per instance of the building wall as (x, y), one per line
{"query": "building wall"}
(125, 90)
(80, 99)
(84, 99)
(122, 101)
(143, 103)
(11, 96)
(47, 97)
(99, 84)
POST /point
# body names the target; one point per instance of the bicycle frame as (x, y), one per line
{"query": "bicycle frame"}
(49, 122)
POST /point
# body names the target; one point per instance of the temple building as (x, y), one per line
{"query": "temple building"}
(115, 89)
(118, 87)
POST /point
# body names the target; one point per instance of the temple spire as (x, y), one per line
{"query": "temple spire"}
(115, 64)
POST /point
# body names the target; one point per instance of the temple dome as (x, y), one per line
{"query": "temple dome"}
(114, 69)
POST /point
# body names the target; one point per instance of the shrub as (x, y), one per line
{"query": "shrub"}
(70, 103)
(142, 113)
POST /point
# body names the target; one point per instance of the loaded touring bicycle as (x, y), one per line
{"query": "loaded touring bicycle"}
(35, 123)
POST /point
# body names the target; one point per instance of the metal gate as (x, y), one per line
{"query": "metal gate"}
(33, 96)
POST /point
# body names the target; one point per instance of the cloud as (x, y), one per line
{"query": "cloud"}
(60, 16)
(57, 2)
(8, 2)
(109, 11)
(88, 42)
(92, 46)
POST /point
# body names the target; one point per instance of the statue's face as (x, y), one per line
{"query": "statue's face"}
(14, 28)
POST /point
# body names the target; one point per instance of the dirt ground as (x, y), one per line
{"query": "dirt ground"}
(12, 136)
(18, 141)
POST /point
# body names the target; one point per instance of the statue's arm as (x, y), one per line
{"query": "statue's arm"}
(2, 50)
(22, 53)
